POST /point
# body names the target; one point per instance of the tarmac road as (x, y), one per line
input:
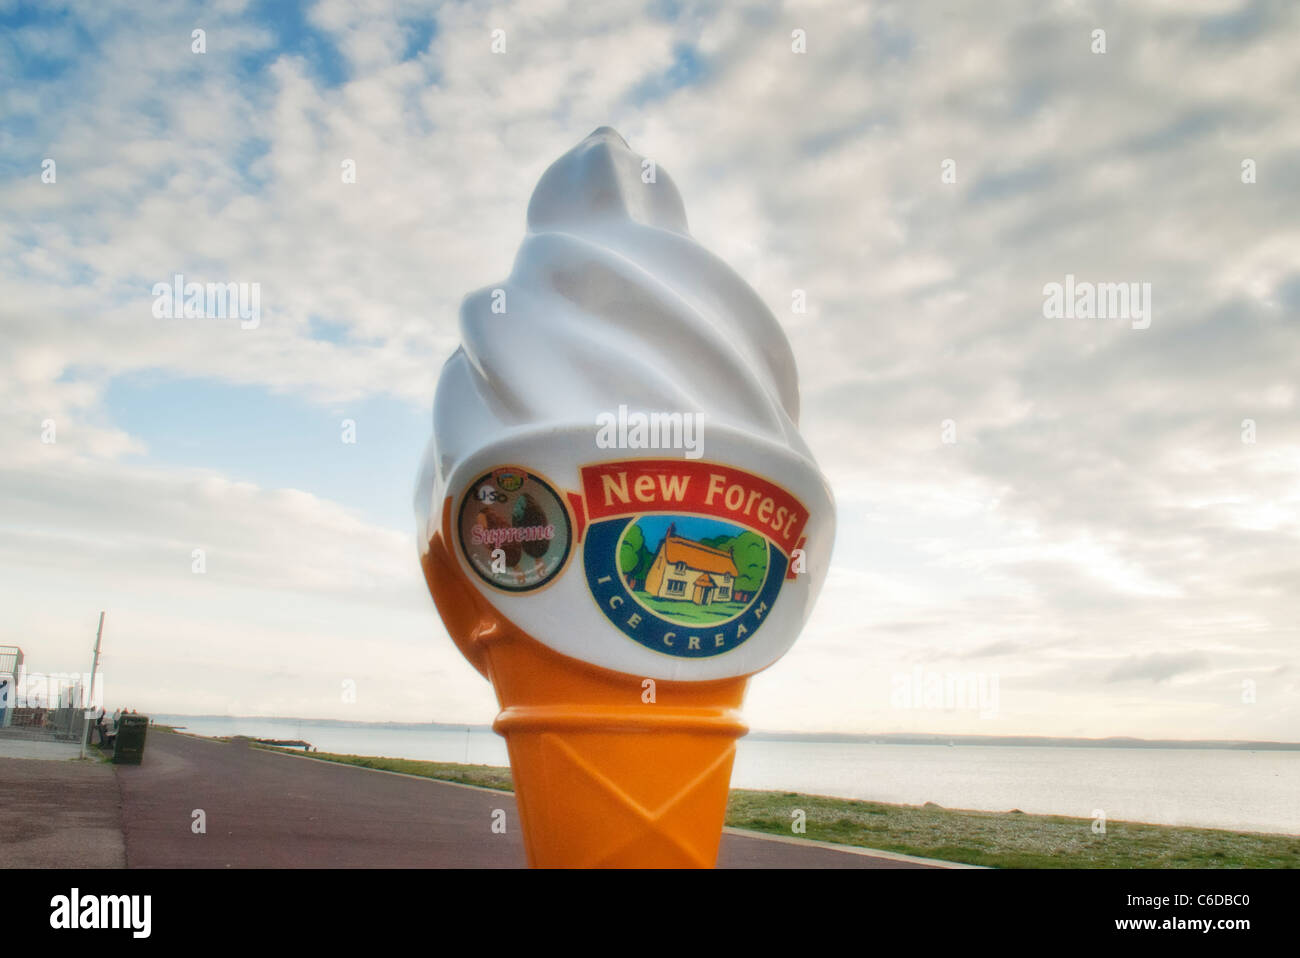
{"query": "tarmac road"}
(266, 809)
(59, 814)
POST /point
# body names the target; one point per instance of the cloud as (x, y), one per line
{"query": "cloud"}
(1157, 668)
(1099, 518)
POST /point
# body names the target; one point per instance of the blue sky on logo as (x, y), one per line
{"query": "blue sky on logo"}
(654, 527)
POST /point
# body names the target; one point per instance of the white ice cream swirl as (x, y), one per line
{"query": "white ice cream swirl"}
(611, 302)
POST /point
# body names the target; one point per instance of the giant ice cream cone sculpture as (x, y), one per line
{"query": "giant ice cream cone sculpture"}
(618, 519)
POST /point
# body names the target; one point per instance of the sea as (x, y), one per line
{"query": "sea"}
(1238, 789)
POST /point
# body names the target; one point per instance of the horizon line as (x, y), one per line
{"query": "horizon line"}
(821, 735)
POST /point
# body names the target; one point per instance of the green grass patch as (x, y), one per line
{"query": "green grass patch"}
(688, 613)
(996, 839)
(1009, 839)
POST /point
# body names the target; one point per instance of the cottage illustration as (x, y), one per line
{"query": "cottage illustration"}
(690, 571)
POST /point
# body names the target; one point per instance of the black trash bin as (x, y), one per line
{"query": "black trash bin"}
(128, 748)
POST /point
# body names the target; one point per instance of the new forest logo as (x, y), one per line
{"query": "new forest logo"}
(687, 558)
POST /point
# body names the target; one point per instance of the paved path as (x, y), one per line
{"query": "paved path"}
(59, 814)
(49, 750)
(263, 809)
(269, 809)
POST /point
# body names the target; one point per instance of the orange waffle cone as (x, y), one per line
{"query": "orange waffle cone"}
(605, 779)
(602, 778)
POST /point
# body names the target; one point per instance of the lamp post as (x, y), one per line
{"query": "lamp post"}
(94, 668)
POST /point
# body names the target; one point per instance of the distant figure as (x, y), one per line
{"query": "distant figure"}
(99, 726)
(132, 711)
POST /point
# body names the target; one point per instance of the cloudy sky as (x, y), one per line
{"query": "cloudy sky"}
(1106, 542)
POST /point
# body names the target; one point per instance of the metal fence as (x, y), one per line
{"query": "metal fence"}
(11, 667)
(43, 706)
(11, 659)
(66, 724)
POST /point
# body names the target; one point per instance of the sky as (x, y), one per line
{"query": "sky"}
(1096, 517)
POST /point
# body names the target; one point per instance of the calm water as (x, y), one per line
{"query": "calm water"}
(1253, 791)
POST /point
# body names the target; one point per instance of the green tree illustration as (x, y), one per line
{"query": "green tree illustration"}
(634, 558)
(749, 552)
